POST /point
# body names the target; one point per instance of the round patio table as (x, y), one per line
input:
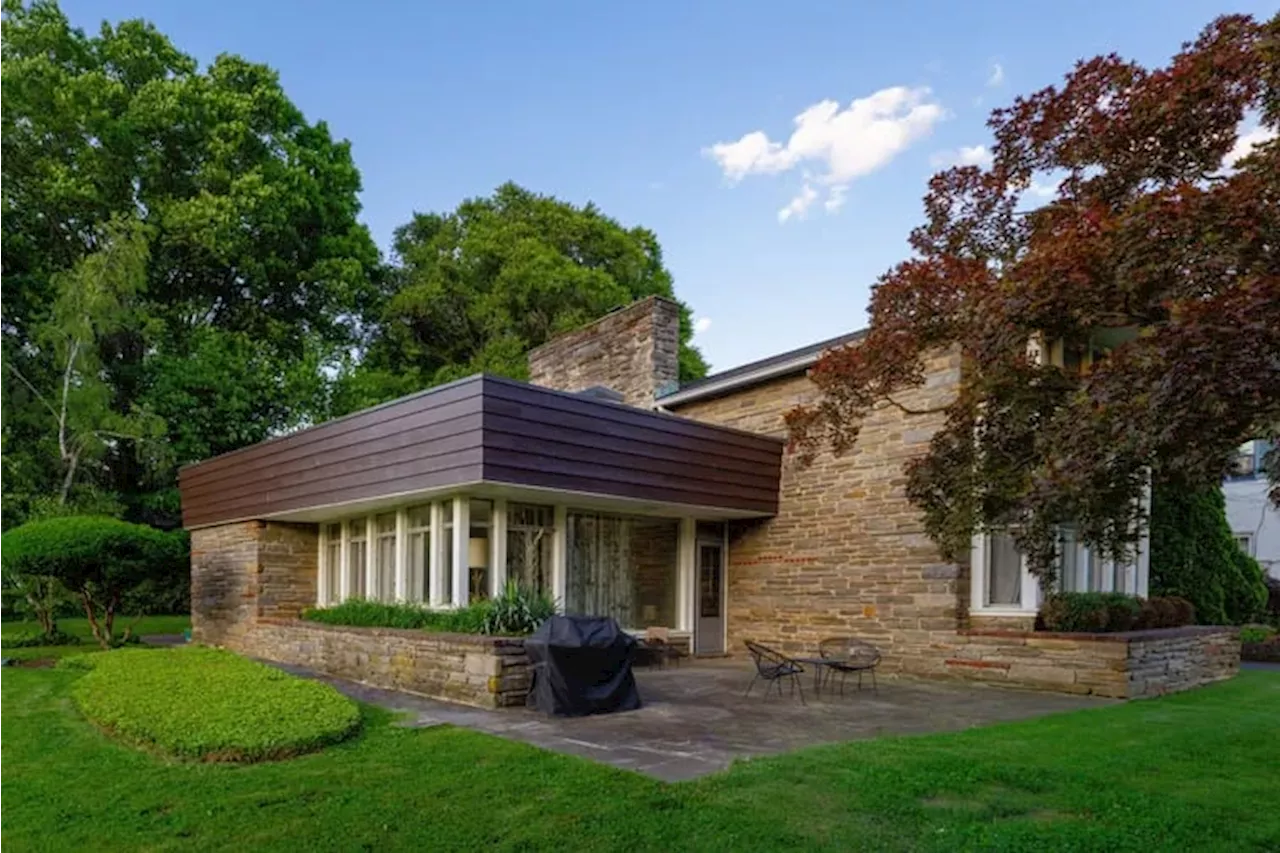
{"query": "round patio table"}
(818, 664)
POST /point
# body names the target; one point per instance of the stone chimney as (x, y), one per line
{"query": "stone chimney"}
(633, 350)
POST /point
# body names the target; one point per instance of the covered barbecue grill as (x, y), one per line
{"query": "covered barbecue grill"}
(582, 665)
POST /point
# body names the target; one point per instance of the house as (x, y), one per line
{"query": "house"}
(605, 483)
(1254, 520)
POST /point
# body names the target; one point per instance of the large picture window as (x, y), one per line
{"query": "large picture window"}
(622, 566)
(1004, 571)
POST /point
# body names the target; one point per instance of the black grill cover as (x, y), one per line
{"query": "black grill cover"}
(582, 665)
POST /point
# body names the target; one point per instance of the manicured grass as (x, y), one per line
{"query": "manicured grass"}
(208, 704)
(1193, 771)
(79, 627)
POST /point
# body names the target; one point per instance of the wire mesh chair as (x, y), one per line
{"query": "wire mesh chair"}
(772, 667)
(847, 655)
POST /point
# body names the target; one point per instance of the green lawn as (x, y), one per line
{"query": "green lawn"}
(80, 628)
(1194, 771)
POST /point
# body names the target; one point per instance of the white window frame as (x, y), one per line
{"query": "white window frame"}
(429, 590)
(1130, 578)
(1250, 543)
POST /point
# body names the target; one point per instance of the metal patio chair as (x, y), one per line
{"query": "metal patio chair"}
(772, 667)
(847, 655)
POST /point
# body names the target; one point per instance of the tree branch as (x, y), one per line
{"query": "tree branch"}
(906, 410)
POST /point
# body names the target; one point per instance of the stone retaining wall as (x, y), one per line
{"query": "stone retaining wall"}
(1127, 665)
(488, 672)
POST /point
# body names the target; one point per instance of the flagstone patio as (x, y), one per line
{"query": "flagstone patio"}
(696, 721)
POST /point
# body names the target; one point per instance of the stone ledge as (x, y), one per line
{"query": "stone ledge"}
(1113, 637)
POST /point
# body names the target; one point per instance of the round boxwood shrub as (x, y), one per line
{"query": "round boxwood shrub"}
(209, 705)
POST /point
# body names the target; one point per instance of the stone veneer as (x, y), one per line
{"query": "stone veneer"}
(1130, 665)
(846, 553)
(247, 571)
(489, 672)
(634, 351)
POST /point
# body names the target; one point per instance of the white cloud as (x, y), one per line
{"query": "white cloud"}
(1043, 189)
(996, 77)
(799, 205)
(847, 143)
(1245, 143)
(701, 324)
(966, 155)
(835, 199)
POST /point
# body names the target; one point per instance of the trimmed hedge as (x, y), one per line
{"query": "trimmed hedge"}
(209, 705)
(1111, 612)
(363, 613)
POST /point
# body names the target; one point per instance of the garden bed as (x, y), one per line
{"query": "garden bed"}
(208, 705)
(1125, 665)
(471, 669)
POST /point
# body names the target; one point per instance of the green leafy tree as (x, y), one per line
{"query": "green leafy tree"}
(255, 261)
(1194, 556)
(102, 561)
(475, 289)
(94, 301)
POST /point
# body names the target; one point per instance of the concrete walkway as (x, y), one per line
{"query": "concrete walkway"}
(696, 721)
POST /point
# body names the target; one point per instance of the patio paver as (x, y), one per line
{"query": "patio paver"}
(695, 720)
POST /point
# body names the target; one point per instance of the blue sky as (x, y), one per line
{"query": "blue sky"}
(624, 103)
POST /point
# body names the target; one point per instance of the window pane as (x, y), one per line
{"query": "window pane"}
(1004, 570)
(446, 511)
(529, 535)
(622, 567)
(387, 523)
(355, 528)
(1068, 560)
(333, 565)
(446, 562)
(419, 516)
(417, 563)
(480, 512)
(355, 568)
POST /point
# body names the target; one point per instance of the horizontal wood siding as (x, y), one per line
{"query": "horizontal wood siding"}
(535, 437)
(421, 442)
(490, 429)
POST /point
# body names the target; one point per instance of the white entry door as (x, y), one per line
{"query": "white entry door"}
(708, 636)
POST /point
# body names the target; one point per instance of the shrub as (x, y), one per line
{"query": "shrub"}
(100, 560)
(519, 610)
(1090, 612)
(1256, 633)
(1273, 601)
(1195, 556)
(1166, 611)
(209, 705)
(377, 614)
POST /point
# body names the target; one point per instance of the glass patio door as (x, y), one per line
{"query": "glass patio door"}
(708, 635)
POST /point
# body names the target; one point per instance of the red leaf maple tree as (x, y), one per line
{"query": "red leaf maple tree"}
(1152, 269)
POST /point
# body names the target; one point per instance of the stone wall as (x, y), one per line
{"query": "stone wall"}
(488, 672)
(846, 553)
(634, 350)
(247, 571)
(1129, 665)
